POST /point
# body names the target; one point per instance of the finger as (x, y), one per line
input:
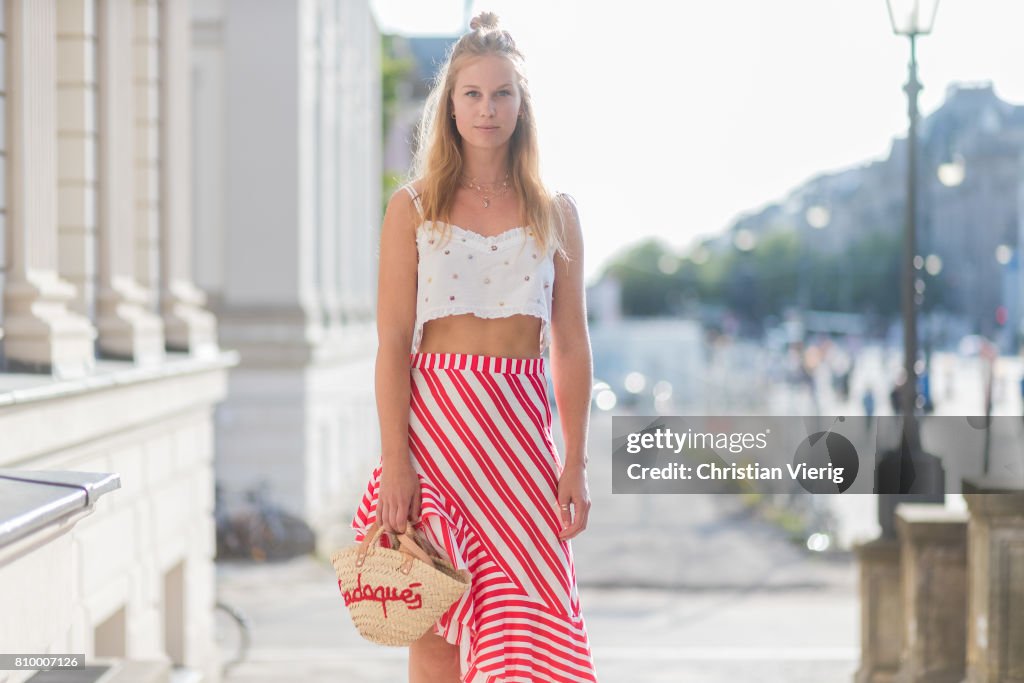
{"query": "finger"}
(398, 519)
(565, 512)
(578, 524)
(570, 532)
(407, 512)
(568, 523)
(584, 517)
(586, 512)
(389, 519)
(417, 504)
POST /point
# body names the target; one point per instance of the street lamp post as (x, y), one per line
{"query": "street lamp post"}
(910, 18)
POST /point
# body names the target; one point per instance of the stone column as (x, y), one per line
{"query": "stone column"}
(348, 154)
(367, 227)
(127, 328)
(995, 602)
(76, 149)
(359, 209)
(188, 327)
(321, 28)
(366, 302)
(356, 54)
(146, 83)
(881, 610)
(933, 565)
(271, 307)
(41, 333)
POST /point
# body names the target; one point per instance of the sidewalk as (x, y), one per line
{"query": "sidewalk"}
(770, 635)
(727, 599)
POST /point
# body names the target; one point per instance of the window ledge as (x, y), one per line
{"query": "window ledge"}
(22, 388)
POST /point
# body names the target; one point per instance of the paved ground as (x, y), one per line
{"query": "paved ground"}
(697, 541)
(301, 631)
(715, 595)
(728, 599)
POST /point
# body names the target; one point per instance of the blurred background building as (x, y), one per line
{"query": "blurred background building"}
(970, 230)
(286, 129)
(110, 361)
(176, 172)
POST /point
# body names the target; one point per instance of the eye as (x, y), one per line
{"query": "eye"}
(471, 92)
(504, 92)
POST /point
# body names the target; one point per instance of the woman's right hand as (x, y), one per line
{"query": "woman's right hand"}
(398, 498)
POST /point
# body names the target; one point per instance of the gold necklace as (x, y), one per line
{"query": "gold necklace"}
(486, 195)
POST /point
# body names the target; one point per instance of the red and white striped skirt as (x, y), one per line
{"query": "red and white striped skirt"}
(480, 441)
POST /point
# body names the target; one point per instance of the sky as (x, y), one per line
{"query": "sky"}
(671, 119)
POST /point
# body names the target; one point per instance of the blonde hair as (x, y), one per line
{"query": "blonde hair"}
(438, 159)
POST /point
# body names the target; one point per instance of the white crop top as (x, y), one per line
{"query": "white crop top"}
(490, 277)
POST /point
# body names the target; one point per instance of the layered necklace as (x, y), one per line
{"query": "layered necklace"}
(487, 191)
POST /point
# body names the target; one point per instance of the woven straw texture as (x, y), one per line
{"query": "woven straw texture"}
(388, 606)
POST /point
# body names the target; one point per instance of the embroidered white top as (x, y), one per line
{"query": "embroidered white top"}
(488, 276)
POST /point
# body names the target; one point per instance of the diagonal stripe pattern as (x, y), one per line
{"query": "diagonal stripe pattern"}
(480, 440)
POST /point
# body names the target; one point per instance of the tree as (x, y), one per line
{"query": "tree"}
(393, 71)
(646, 290)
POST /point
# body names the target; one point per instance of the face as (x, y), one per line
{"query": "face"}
(486, 101)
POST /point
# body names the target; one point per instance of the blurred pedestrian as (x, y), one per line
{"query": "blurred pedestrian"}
(868, 401)
(925, 393)
(894, 397)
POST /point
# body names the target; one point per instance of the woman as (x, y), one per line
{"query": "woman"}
(480, 268)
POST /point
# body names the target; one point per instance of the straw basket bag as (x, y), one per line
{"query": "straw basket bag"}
(394, 595)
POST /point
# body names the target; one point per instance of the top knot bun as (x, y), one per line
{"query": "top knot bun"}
(484, 20)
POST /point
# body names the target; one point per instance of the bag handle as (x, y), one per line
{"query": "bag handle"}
(404, 542)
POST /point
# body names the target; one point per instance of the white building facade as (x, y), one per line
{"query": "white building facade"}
(171, 173)
(287, 189)
(110, 362)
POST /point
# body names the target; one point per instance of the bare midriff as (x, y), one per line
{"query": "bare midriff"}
(515, 336)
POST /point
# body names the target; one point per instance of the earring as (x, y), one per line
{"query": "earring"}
(453, 115)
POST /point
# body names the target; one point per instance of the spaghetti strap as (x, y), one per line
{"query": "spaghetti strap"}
(415, 197)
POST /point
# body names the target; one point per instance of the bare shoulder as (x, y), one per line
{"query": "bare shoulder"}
(403, 191)
(401, 211)
(402, 198)
(569, 223)
(567, 204)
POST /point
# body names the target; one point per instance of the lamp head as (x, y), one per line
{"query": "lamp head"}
(912, 17)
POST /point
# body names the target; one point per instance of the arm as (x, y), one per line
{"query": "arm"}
(571, 359)
(396, 315)
(398, 498)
